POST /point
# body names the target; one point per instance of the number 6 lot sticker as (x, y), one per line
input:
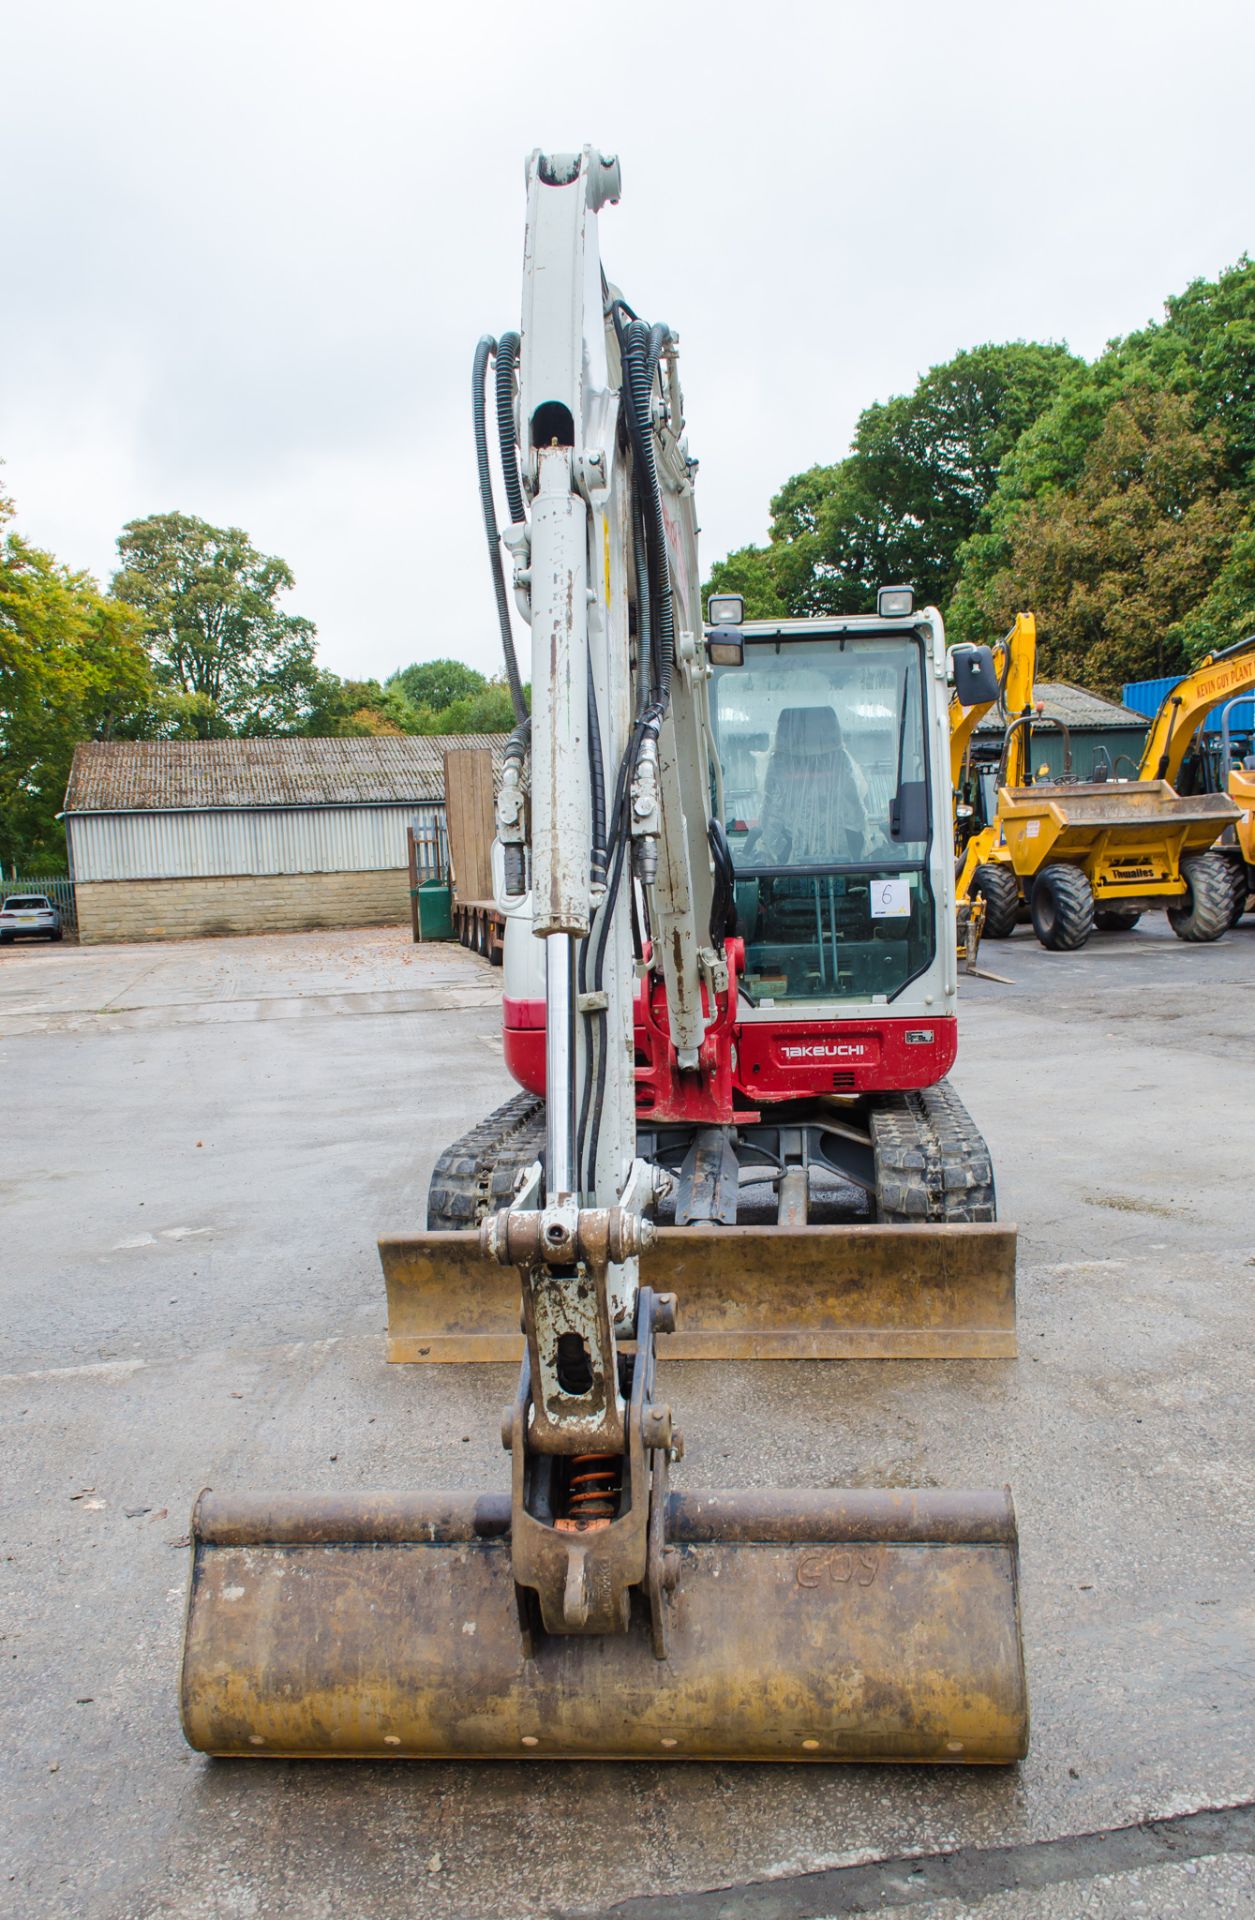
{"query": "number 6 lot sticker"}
(891, 899)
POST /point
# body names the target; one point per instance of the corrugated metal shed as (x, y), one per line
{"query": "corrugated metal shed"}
(202, 809)
(207, 842)
(164, 776)
(1146, 697)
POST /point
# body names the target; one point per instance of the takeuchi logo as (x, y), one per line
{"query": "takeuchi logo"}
(827, 1050)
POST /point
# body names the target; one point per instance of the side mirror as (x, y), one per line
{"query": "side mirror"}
(975, 675)
(908, 812)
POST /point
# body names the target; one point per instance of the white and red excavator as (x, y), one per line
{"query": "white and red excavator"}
(725, 859)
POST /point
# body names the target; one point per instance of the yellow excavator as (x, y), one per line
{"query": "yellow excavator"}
(727, 914)
(1241, 855)
(1177, 751)
(1072, 855)
(971, 700)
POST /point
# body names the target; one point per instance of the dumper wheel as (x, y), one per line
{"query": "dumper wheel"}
(476, 1175)
(1000, 890)
(1062, 908)
(1111, 920)
(1205, 912)
(1239, 873)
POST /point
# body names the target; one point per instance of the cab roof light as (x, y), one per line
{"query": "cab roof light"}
(725, 609)
(725, 643)
(895, 603)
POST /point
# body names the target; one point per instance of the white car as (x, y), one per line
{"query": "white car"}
(29, 916)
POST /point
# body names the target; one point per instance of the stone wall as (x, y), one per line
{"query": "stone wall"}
(239, 903)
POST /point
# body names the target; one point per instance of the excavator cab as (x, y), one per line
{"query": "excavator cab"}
(829, 828)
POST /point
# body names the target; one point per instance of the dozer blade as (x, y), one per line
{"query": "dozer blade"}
(745, 1293)
(804, 1626)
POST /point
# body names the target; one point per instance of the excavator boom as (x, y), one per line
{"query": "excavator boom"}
(1186, 705)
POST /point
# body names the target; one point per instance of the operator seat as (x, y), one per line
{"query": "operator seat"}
(812, 811)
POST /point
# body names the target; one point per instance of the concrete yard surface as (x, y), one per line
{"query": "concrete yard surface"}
(203, 1140)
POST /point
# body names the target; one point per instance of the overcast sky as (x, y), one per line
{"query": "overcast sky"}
(248, 248)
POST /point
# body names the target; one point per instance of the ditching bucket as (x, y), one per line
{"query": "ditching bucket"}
(745, 1293)
(826, 1626)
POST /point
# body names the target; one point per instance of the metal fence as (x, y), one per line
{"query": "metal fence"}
(431, 845)
(55, 887)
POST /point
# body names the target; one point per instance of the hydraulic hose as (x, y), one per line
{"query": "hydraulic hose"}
(597, 783)
(723, 902)
(507, 357)
(484, 352)
(658, 337)
(642, 347)
(646, 671)
(515, 755)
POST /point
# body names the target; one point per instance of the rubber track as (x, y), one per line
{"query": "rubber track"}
(476, 1175)
(932, 1165)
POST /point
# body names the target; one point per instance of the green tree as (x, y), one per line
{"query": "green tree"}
(487, 711)
(1228, 613)
(363, 707)
(437, 683)
(1116, 566)
(1202, 349)
(226, 657)
(921, 471)
(72, 668)
(357, 708)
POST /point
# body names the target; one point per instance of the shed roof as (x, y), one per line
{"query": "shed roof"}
(179, 776)
(1080, 708)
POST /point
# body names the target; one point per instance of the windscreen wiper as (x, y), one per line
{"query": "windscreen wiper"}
(895, 805)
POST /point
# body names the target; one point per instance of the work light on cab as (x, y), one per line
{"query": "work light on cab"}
(895, 603)
(725, 645)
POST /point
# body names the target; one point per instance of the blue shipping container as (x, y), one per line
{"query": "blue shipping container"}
(1146, 696)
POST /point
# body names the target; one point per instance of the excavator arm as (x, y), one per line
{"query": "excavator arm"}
(1015, 663)
(622, 766)
(1186, 705)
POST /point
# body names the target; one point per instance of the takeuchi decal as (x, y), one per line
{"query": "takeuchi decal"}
(827, 1050)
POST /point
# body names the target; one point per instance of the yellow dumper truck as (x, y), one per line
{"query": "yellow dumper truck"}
(1071, 855)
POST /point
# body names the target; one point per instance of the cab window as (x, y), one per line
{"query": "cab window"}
(822, 750)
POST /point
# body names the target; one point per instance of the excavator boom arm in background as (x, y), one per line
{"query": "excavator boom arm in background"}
(1014, 661)
(1186, 705)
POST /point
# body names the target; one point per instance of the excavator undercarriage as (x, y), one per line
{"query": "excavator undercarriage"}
(812, 1237)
